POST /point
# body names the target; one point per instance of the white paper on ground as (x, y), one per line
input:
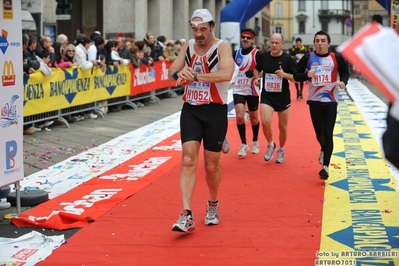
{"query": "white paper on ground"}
(28, 249)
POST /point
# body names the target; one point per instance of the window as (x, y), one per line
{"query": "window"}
(301, 29)
(324, 25)
(279, 10)
(301, 5)
(279, 30)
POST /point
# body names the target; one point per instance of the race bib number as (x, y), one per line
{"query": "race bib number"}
(242, 81)
(273, 83)
(322, 76)
(198, 93)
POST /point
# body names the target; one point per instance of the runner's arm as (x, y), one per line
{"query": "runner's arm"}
(226, 70)
(179, 62)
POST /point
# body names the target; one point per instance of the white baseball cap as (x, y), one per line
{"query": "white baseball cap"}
(203, 14)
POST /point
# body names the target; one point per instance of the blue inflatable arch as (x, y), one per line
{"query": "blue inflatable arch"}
(234, 16)
(236, 13)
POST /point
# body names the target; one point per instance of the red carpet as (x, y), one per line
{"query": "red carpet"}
(270, 213)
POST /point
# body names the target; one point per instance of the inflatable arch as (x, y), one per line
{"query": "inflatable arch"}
(236, 13)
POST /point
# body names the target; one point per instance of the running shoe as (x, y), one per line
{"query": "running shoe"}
(321, 157)
(280, 156)
(225, 146)
(4, 204)
(246, 115)
(255, 147)
(324, 172)
(243, 150)
(212, 216)
(269, 153)
(185, 223)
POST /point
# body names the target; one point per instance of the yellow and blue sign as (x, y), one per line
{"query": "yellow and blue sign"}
(72, 87)
(361, 210)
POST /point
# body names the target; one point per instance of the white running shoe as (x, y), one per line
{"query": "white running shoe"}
(225, 146)
(92, 116)
(185, 223)
(321, 157)
(243, 150)
(255, 147)
(4, 204)
(269, 153)
(212, 215)
(280, 156)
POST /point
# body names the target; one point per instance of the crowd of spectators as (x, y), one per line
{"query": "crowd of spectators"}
(89, 52)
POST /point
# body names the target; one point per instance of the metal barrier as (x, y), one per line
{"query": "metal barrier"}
(60, 115)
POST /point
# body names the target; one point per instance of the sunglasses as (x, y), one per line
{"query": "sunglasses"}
(70, 51)
(246, 37)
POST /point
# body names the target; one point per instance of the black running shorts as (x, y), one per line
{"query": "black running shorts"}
(278, 101)
(253, 101)
(207, 122)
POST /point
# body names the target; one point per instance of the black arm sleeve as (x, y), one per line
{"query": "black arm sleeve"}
(390, 140)
(301, 73)
(343, 69)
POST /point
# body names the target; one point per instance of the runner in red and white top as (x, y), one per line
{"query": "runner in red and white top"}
(205, 67)
(322, 69)
(245, 91)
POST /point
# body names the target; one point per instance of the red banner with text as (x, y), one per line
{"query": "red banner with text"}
(147, 78)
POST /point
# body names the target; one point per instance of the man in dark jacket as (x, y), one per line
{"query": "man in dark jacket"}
(45, 43)
(30, 63)
(297, 51)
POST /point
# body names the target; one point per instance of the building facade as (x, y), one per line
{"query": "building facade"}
(131, 17)
(282, 19)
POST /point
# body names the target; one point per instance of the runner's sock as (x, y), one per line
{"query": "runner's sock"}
(255, 131)
(241, 131)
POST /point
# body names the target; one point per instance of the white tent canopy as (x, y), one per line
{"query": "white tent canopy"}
(28, 23)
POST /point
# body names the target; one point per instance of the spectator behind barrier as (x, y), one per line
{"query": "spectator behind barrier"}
(80, 57)
(68, 55)
(107, 53)
(176, 49)
(29, 54)
(137, 56)
(115, 55)
(147, 59)
(92, 52)
(169, 53)
(45, 43)
(30, 65)
(123, 51)
(83, 44)
(59, 60)
(44, 58)
(63, 39)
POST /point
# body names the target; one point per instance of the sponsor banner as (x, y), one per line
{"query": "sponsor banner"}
(395, 15)
(360, 214)
(149, 78)
(72, 86)
(95, 197)
(11, 101)
(28, 249)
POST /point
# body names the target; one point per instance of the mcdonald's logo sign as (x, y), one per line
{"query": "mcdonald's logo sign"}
(8, 77)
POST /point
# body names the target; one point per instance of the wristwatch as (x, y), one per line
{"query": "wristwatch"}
(175, 77)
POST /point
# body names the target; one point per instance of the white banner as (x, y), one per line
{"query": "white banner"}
(230, 32)
(11, 90)
(28, 249)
